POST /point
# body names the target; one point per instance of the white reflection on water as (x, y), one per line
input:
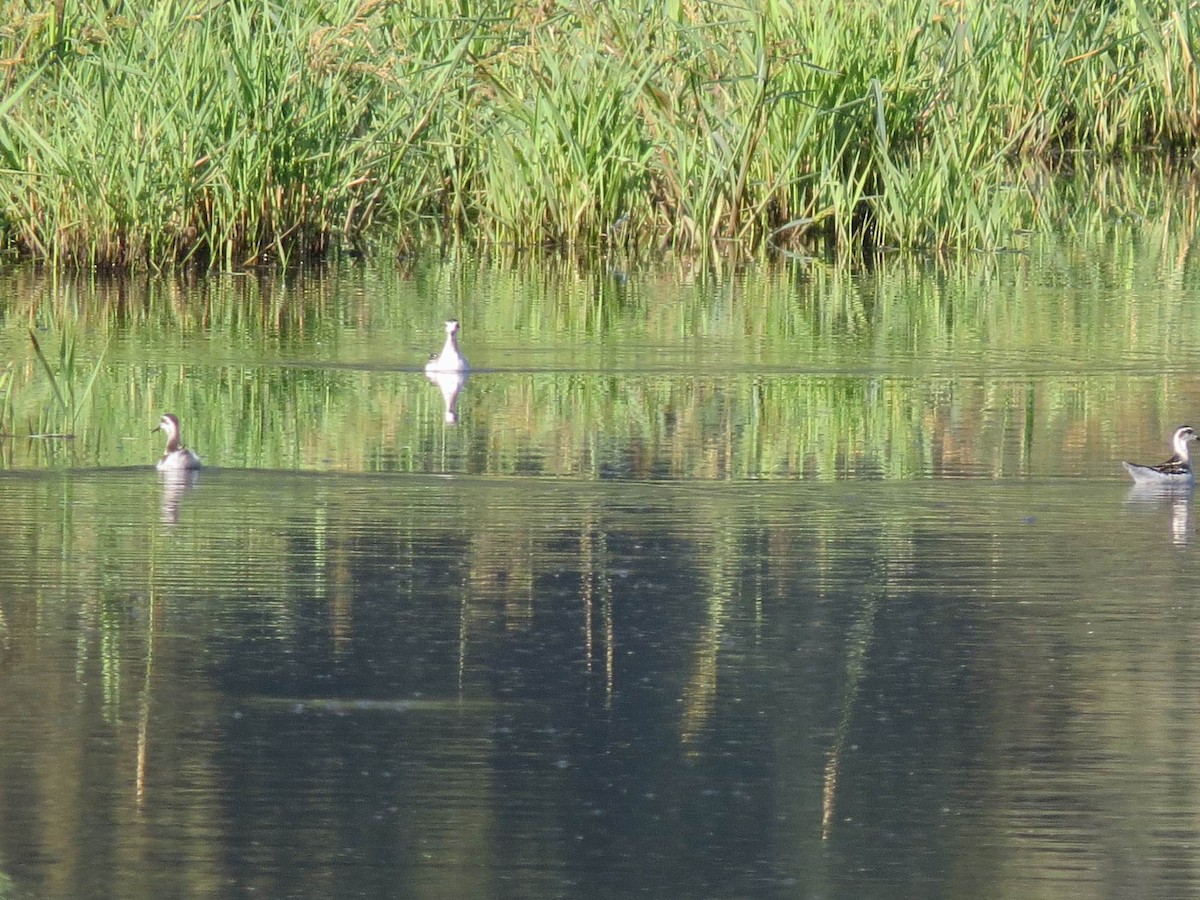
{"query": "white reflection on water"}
(175, 484)
(450, 384)
(1175, 498)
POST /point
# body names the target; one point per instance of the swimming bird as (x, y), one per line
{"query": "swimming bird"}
(1176, 470)
(176, 458)
(450, 359)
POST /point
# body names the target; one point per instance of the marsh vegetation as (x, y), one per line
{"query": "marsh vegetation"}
(142, 134)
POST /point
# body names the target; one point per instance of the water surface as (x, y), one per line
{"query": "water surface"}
(795, 582)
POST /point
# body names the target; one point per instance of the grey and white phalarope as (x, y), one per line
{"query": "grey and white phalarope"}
(450, 359)
(176, 458)
(1176, 470)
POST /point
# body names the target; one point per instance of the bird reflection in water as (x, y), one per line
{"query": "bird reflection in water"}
(1176, 498)
(175, 483)
(450, 384)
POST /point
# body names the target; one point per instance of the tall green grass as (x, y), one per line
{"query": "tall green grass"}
(142, 134)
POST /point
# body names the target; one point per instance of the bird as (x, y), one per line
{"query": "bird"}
(1176, 470)
(450, 359)
(176, 458)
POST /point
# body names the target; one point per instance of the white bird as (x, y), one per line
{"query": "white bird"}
(450, 359)
(1176, 470)
(176, 458)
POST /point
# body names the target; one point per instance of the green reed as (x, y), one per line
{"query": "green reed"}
(141, 134)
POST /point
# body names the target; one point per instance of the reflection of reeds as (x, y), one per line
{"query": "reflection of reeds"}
(908, 367)
(231, 134)
(6, 380)
(62, 382)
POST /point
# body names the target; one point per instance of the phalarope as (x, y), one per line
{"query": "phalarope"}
(1176, 470)
(176, 458)
(450, 359)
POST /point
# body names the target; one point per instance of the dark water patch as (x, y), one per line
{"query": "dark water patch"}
(310, 685)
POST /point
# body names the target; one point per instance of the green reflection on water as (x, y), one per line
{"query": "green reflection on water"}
(1050, 361)
(214, 665)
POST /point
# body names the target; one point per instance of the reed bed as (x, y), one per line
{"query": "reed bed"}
(226, 134)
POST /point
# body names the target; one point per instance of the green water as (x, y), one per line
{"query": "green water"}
(1051, 362)
(795, 580)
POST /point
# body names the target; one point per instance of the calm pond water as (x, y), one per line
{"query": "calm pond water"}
(794, 581)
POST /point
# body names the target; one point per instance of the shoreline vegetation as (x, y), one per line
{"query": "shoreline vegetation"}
(146, 135)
